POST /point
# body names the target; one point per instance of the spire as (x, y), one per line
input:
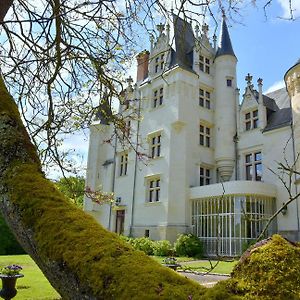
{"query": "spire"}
(225, 47)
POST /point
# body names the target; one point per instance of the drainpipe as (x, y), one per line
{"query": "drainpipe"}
(135, 168)
(295, 177)
(113, 182)
(236, 137)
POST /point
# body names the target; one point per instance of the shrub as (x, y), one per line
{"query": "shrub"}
(162, 248)
(270, 271)
(8, 243)
(144, 244)
(188, 245)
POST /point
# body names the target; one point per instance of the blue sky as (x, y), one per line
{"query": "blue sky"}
(265, 48)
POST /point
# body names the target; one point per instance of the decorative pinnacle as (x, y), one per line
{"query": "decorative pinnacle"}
(160, 27)
(129, 80)
(248, 78)
(259, 81)
(197, 30)
(205, 28)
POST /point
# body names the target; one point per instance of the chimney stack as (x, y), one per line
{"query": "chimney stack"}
(142, 65)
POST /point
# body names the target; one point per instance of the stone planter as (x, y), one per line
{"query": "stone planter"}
(9, 286)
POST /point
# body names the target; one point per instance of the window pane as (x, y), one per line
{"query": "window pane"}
(207, 173)
(201, 58)
(207, 60)
(207, 94)
(201, 139)
(201, 128)
(258, 172)
(207, 130)
(151, 196)
(255, 113)
(248, 158)
(201, 181)
(158, 182)
(201, 101)
(201, 66)
(207, 181)
(207, 104)
(207, 141)
(248, 125)
(257, 156)
(161, 90)
(157, 195)
(207, 70)
(247, 116)
(255, 123)
(201, 92)
(201, 171)
(249, 172)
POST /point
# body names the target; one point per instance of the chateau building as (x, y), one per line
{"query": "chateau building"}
(196, 156)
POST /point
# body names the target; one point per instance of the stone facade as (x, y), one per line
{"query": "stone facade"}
(194, 158)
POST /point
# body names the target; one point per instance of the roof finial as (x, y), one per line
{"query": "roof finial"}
(223, 13)
(248, 78)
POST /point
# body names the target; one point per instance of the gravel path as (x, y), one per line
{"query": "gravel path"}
(207, 280)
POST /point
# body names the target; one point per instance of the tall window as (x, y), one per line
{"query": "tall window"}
(153, 190)
(204, 137)
(159, 63)
(253, 166)
(204, 64)
(155, 144)
(123, 164)
(204, 98)
(158, 97)
(251, 120)
(205, 176)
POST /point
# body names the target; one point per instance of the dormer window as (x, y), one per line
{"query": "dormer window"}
(159, 63)
(251, 120)
(204, 64)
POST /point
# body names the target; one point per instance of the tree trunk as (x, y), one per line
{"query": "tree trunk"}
(80, 258)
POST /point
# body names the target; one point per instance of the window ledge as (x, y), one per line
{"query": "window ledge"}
(153, 203)
(156, 108)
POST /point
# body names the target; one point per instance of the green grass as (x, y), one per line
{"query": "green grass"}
(34, 285)
(221, 267)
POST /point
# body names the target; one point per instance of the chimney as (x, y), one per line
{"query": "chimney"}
(142, 65)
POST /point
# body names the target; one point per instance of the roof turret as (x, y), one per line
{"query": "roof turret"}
(225, 47)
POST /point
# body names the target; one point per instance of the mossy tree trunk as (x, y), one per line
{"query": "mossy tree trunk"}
(80, 259)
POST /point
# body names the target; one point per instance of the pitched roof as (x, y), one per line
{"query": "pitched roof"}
(184, 43)
(283, 115)
(225, 46)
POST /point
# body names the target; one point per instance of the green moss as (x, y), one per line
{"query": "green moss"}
(65, 234)
(270, 272)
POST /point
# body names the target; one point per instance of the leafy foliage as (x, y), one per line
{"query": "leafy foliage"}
(73, 188)
(162, 248)
(8, 243)
(269, 272)
(144, 244)
(188, 245)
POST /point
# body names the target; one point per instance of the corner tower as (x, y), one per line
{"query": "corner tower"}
(292, 81)
(225, 106)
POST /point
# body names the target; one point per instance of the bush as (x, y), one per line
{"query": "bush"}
(162, 248)
(270, 271)
(188, 245)
(8, 243)
(144, 244)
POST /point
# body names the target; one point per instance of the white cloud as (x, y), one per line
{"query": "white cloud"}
(285, 4)
(275, 86)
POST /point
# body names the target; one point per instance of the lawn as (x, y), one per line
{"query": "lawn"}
(188, 263)
(33, 285)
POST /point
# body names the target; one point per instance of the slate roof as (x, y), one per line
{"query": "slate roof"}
(283, 115)
(225, 46)
(184, 44)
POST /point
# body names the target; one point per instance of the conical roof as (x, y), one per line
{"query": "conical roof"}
(225, 47)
